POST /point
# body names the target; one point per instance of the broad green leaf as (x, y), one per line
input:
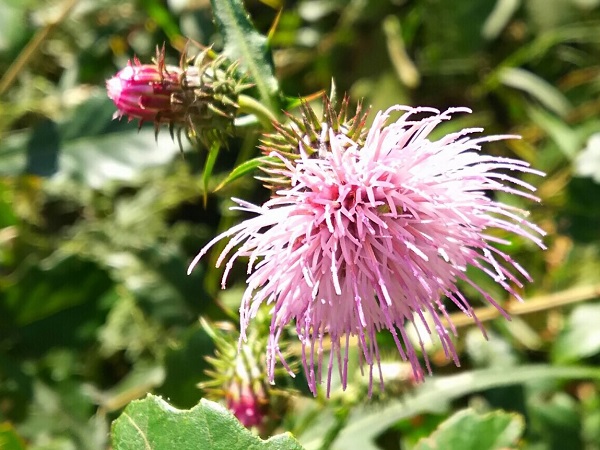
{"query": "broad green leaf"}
(537, 87)
(581, 336)
(242, 170)
(154, 424)
(88, 146)
(436, 393)
(245, 44)
(468, 430)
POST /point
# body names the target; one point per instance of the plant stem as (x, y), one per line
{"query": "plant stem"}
(29, 51)
(249, 105)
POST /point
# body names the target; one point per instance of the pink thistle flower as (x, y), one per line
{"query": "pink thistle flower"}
(144, 91)
(372, 237)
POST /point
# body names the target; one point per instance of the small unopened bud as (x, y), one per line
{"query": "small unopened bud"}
(144, 91)
(247, 404)
(199, 96)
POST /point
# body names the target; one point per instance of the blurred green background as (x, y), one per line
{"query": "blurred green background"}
(98, 222)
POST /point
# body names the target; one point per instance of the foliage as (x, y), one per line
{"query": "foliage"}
(153, 423)
(99, 221)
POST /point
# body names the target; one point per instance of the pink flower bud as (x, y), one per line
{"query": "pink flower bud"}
(143, 91)
(246, 405)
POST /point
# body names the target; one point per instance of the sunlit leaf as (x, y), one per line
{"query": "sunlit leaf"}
(153, 423)
(436, 393)
(87, 147)
(537, 87)
(499, 18)
(245, 44)
(467, 430)
(581, 336)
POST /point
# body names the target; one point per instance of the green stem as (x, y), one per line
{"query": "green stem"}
(209, 166)
(249, 105)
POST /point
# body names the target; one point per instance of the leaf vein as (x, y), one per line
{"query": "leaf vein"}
(139, 430)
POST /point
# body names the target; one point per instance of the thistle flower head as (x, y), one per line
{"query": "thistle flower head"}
(376, 235)
(200, 96)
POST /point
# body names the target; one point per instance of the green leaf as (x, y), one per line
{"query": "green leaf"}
(88, 146)
(13, 23)
(537, 87)
(242, 170)
(444, 42)
(434, 395)
(581, 336)
(566, 138)
(499, 18)
(245, 44)
(468, 430)
(556, 419)
(154, 424)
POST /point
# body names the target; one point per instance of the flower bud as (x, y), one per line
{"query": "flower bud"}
(247, 404)
(200, 96)
(144, 92)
